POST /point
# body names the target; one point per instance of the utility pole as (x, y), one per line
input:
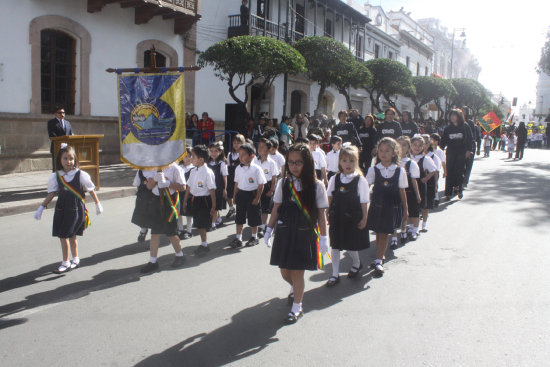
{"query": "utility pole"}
(287, 40)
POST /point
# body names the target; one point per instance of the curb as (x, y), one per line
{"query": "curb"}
(32, 206)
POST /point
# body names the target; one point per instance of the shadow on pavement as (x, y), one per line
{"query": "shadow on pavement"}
(520, 186)
(250, 330)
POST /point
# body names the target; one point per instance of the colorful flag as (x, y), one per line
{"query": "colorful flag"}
(490, 122)
(151, 119)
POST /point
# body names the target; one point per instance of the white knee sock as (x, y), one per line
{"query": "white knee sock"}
(335, 262)
(355, 257)
(180, 223)
(189, 224)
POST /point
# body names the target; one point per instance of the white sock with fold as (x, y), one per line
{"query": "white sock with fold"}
(335, 262)
(66, 263)
(76, 260)
(393, 239)
(240, 237)
(152, 259)
(143, 230)
(205, 244)
(296, 308)
(355, 257)
(255, 235)
(180, 223)
(189, 224)
(415, 230)
(179, 254)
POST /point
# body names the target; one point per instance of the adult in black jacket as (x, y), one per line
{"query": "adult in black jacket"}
(356, 119)
(367, 134)
(346, 130)
(521, 133)
(58, 126)
(470, 161)
(389, 128)
(408, 126)
(457, 138)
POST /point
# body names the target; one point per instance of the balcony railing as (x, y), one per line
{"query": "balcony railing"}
(258, 26)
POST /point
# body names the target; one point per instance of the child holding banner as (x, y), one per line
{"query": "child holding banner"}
(71, 216)
(299, 210)
(165, 211)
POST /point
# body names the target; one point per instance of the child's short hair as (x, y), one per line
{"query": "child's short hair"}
(188, 150)
(66, 149)
(274, 143)
(248, 148)
(343, 112)
(201, 151)
(267, 142)
(301, 140)
(314, 137)
(335, 139)
(350, 151)
(436, 137)
(239, 138)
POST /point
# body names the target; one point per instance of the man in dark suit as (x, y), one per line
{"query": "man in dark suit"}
(58, 126)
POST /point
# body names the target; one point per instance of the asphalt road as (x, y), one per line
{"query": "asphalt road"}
(472, 291)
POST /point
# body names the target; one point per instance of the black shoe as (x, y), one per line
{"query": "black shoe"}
(460, 195)
(178, 261)
(404, 239)
(354, 271)
(393, 244)
(230, 213)
(185, 235)
(211, 229)
(150, 267)
(141, 237)
(252, 242)
(413, 236)
(332, 281)
(292, 317)
(261, 233)
(436, 203)
(236, 243)
(201, 250)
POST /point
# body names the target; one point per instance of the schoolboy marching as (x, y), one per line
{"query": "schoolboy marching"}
(71, 216)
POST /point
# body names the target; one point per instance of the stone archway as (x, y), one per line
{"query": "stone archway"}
(327, 104)
(298, 102)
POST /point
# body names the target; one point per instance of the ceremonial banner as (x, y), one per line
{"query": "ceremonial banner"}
(490, 122)
(151, 119)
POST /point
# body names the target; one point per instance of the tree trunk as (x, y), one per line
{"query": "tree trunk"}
(374, 102)
(319, 98)
(345, 93)
(392, 103)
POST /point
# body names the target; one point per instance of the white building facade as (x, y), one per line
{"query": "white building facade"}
(542, 109)
(58, 53)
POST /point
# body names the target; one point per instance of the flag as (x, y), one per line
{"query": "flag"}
(490, 122)
(151, 119)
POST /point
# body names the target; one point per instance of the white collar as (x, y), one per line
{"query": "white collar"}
(351, 175)
(389, 168)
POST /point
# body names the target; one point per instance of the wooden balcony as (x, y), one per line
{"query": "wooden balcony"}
(185, 13)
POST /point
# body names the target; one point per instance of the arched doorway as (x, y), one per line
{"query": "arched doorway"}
(297, 101)
(260, 102)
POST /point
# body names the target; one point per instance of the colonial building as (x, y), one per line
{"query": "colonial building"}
(331, 18)
(56, 53)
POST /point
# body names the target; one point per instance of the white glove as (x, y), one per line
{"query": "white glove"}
(159, 177)
(98, 208)
(38, 214)
(323, 245)
(267, 236)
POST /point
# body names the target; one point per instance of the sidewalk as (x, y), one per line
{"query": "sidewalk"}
(24, 192)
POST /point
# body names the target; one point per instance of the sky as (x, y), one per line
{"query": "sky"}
(506, 37)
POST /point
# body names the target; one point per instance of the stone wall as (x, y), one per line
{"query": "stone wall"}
(25, 145)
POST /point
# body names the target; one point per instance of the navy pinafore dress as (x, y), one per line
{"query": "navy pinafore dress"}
(345, 213)
(385, 211)
(231, 167)
(144, 197)
(68, 219)
(220, 185)
(294, 246)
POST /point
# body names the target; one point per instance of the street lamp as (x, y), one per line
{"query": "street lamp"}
(462, 35)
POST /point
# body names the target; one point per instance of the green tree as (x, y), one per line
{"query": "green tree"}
(327, 62)
(428, 89)
(390, 78)
(470, 93)
(356, 76)
(544, 62)
(242, 61)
